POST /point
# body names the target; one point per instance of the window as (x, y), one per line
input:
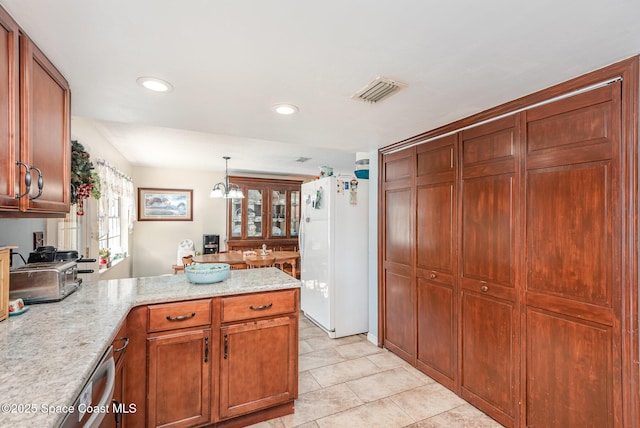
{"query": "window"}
(115, 211)
(110, 226)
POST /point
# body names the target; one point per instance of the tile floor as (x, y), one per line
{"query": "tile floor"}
(350, 382)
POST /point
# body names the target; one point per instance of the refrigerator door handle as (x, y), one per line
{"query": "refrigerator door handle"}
(301, 240)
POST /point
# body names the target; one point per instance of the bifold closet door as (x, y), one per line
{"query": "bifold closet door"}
(436, 259)
(489, 337)
(573, 240)
(398, 289)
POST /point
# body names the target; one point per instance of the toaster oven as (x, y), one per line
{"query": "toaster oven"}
(44, 282)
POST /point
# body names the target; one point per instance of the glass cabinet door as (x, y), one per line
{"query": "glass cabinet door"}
(254, 213)
(236, 218)
(295, 213)
(278, 213)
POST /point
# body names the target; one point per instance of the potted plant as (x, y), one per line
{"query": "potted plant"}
(105, 257)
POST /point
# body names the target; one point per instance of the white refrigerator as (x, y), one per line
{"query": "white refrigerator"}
(333, 254)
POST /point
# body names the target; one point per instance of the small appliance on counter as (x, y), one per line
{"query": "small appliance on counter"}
(50, 275)
(210, 244)
(43, 282)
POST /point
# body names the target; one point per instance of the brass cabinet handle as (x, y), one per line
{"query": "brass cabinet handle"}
(181, 317)
(261, 307)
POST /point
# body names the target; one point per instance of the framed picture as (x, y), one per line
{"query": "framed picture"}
(165, 204)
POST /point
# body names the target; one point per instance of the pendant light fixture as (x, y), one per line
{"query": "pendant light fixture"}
(224, 189)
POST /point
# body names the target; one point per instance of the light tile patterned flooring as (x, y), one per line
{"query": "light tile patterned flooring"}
(350, 382)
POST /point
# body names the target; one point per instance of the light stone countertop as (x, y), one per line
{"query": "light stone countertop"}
(48, 353)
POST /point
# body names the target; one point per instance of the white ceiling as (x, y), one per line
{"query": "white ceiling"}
(230, 61)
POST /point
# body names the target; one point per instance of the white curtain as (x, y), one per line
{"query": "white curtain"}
(113, 185)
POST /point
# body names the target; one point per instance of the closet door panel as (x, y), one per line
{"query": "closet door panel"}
(569, 233)
(435, 240)
(569, 381)
(488, 263)
(398, 231)
(573, 234)
(487, 239)
(489, 357)
(436, 328)
(435, 259)
(398, 319)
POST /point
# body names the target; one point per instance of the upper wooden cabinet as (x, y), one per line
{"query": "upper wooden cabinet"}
(35, 150)
(9, 118)
(268, 214)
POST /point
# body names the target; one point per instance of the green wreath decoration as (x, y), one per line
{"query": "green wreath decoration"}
(84, 180)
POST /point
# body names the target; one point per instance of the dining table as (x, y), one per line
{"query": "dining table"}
(234, 258)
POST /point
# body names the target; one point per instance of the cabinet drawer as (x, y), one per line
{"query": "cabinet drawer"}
(258, 305)
(170, 316)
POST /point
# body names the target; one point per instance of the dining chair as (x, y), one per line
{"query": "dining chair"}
(260, 262)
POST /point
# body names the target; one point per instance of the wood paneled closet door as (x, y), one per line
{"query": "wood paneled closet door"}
(489, 333)
(573, 236)
(397, 271)
(436, 168)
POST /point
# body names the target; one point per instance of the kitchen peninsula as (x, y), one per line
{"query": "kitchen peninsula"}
(49, 352)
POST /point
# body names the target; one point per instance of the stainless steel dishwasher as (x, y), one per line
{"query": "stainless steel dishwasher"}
(94, 402)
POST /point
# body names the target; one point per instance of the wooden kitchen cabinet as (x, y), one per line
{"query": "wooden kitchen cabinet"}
(179, 364)
(179, 378)
(9, 111)
(227, 361)
(268, 214)
(258, 355)
(35, 129)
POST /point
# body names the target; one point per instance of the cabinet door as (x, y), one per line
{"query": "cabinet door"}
(278, 213)
(488, 264)
(255, 212)
(294, 216)
(259, 365)
(179, 379)
(235, 217)
(44, 135)
(435, 259)
(573, 282)
(8, 110)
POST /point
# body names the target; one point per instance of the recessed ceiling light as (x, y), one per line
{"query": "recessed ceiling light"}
(154, 84)
(285, 108)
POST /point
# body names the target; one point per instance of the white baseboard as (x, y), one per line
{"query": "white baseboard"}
(373, 339)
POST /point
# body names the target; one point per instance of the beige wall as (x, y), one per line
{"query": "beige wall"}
(156, 242)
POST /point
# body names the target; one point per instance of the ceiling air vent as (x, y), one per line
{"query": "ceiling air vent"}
(378, 90)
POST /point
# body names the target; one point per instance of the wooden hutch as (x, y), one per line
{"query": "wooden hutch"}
(268, 214)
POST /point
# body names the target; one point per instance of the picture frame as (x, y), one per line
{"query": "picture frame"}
(156, 204)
